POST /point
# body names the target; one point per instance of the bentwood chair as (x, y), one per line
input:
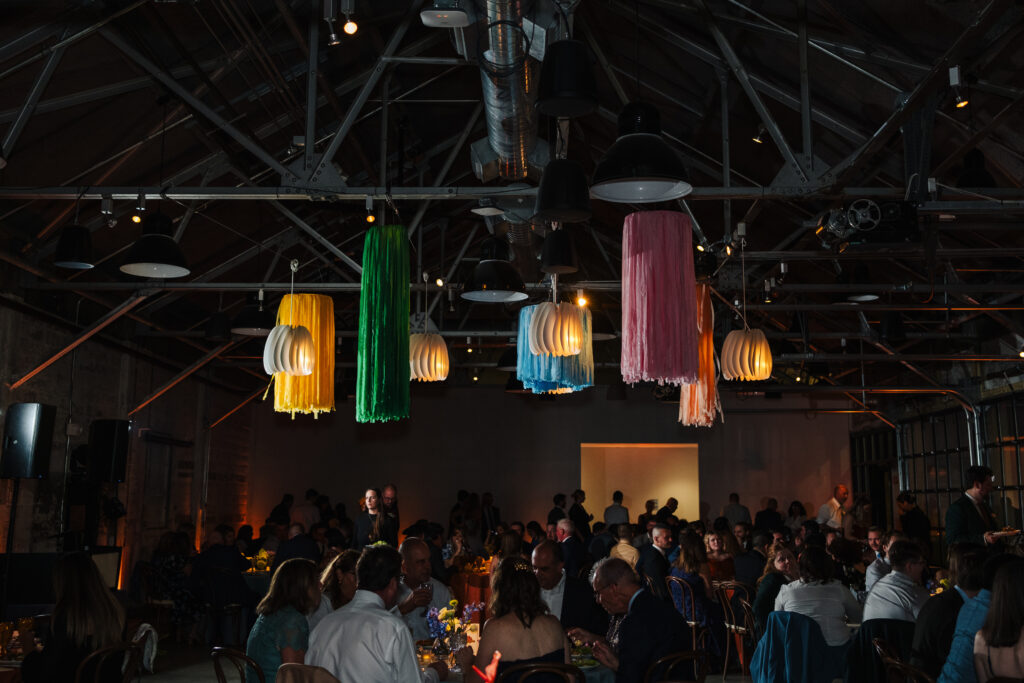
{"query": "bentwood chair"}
(239, 659)
(897, 672)
(886, 651)
(688, 608)
(127, 657)
(696, 663)
(522, 672)
(739, 623)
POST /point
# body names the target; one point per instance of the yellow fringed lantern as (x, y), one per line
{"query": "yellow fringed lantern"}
(428, 358)
(311, 347)
(746, 356)
(556, 330)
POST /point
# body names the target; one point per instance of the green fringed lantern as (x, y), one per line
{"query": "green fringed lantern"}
(382, 365)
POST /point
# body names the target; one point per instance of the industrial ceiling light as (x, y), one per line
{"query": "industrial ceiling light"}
(445, 14)
(558, 255)
(563, 195)
(155, 254)
(330, 14)
(74, 248)
(494, 280)
(253, 320)
(759, 138)
(640, 167)
(567, 86)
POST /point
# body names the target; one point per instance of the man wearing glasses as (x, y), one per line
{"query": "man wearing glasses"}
(650, 628)
(899, 594)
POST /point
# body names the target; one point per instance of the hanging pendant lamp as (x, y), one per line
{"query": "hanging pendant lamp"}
(746, 356)
(541, 374)
(563, 195)
(558, 255)
(659, 301)
(382, 363)
(556, 330)
(74, 248)
(253, 320)
(155, 254)
(289, 347)
(640, 167)
(428, 358)
(494, 280)
(698, 402)
(567, 86)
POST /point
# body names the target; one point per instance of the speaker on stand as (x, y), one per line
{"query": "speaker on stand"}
(28, 440)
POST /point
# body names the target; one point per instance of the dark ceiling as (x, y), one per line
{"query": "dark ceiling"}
(204, 102)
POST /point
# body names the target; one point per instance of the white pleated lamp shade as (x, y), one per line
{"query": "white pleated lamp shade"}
(556, 330)
(289, 350)
(746, 356)
(428, 358)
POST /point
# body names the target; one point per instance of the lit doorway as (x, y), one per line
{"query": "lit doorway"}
(641, 471)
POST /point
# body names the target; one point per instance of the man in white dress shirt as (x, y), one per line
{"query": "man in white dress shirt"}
(899, 594)
(363, 642)
(832, 512)
(881, 566)
(616, 513)
(418, 591)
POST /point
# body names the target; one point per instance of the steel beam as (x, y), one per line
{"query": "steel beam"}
(237, 407)
(315, 234)
(181, 376)
(109, 317)
(895, 357)
(455, 265)
(805, 88)
(31, 101)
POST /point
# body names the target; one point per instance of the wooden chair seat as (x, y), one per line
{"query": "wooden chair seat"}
(698, 659)
(239, 659)
(127, 655)
(568, 672)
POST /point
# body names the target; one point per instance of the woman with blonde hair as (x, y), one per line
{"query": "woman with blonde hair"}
(86, 618)
(779, 569)
(720, 561)
(521, 627)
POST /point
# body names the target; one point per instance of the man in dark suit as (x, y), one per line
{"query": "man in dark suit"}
(970, 519)
(570, 599)
(653, 561)
(750, 565)
(579, 515)
(299, 544)
(914, 521)
(650, 628)
(933, 631)
(573, 553)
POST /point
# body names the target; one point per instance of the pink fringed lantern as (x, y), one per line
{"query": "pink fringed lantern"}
(659, 299)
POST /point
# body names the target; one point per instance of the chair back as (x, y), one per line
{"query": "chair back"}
(687, 663)
(126, 656)
(522, 672)
(304, 673)
(749, 623)
(239, 659)
(897, 672)
(687, 607)
(885, 650)
(730, 595)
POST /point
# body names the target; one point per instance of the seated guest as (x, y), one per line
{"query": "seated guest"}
(880, 567)
(616, 513)
(217, 575)
(691, 566)
(244, 542)
(858, 519)
(796, 515)
(644, 537)
(418, 591)
(723, 528)
(720, 562)
(742, 533)
(433, 534)
(999, 645)
(567, 597)
(810, 534)
(899, 594)
(337, 586)
(624, 549)
(876, 541)
(373, 524)
(573, 553)
(818, 596)
(365, 642)
(780, 569)
(86, 618)
(508, 544)
(171, 563)
(959, 665)
(914, 521)
(650, 628)
(699, 528)
(933, 633)
(653, 564)
(768, 519)
(299, 544)
(281, 632)
(455, 553)
(601, 542)
(848, 556)
(535, 533)
(750, 565)
(521, 627)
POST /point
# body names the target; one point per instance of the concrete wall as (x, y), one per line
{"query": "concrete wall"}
(524, 449)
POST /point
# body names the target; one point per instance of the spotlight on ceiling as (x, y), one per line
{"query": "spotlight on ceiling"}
(445, 14)
(369, 210)
(759, 138)
(955, 82)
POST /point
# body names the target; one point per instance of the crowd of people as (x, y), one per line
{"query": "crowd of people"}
(347, 596)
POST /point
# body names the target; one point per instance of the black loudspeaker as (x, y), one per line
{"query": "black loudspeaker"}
(28, 436)
(108, 449)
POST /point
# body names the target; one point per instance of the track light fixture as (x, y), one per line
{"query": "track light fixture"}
(370, 218)
(759, 138)
(348, 8)
(956, 82)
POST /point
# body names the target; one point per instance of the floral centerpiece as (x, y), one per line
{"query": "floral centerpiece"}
(448, 627)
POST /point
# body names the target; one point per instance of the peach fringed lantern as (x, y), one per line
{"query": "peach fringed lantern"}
(428, 358)
(746, 356)
(312, 392)
(698, 402)
(556, 330)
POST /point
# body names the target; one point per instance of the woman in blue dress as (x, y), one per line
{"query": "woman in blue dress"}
(692, 567)
(281, 632)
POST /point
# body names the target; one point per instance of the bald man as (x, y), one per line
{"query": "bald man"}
(418, 591)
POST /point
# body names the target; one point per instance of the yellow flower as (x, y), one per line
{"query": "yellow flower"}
(453, 603)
